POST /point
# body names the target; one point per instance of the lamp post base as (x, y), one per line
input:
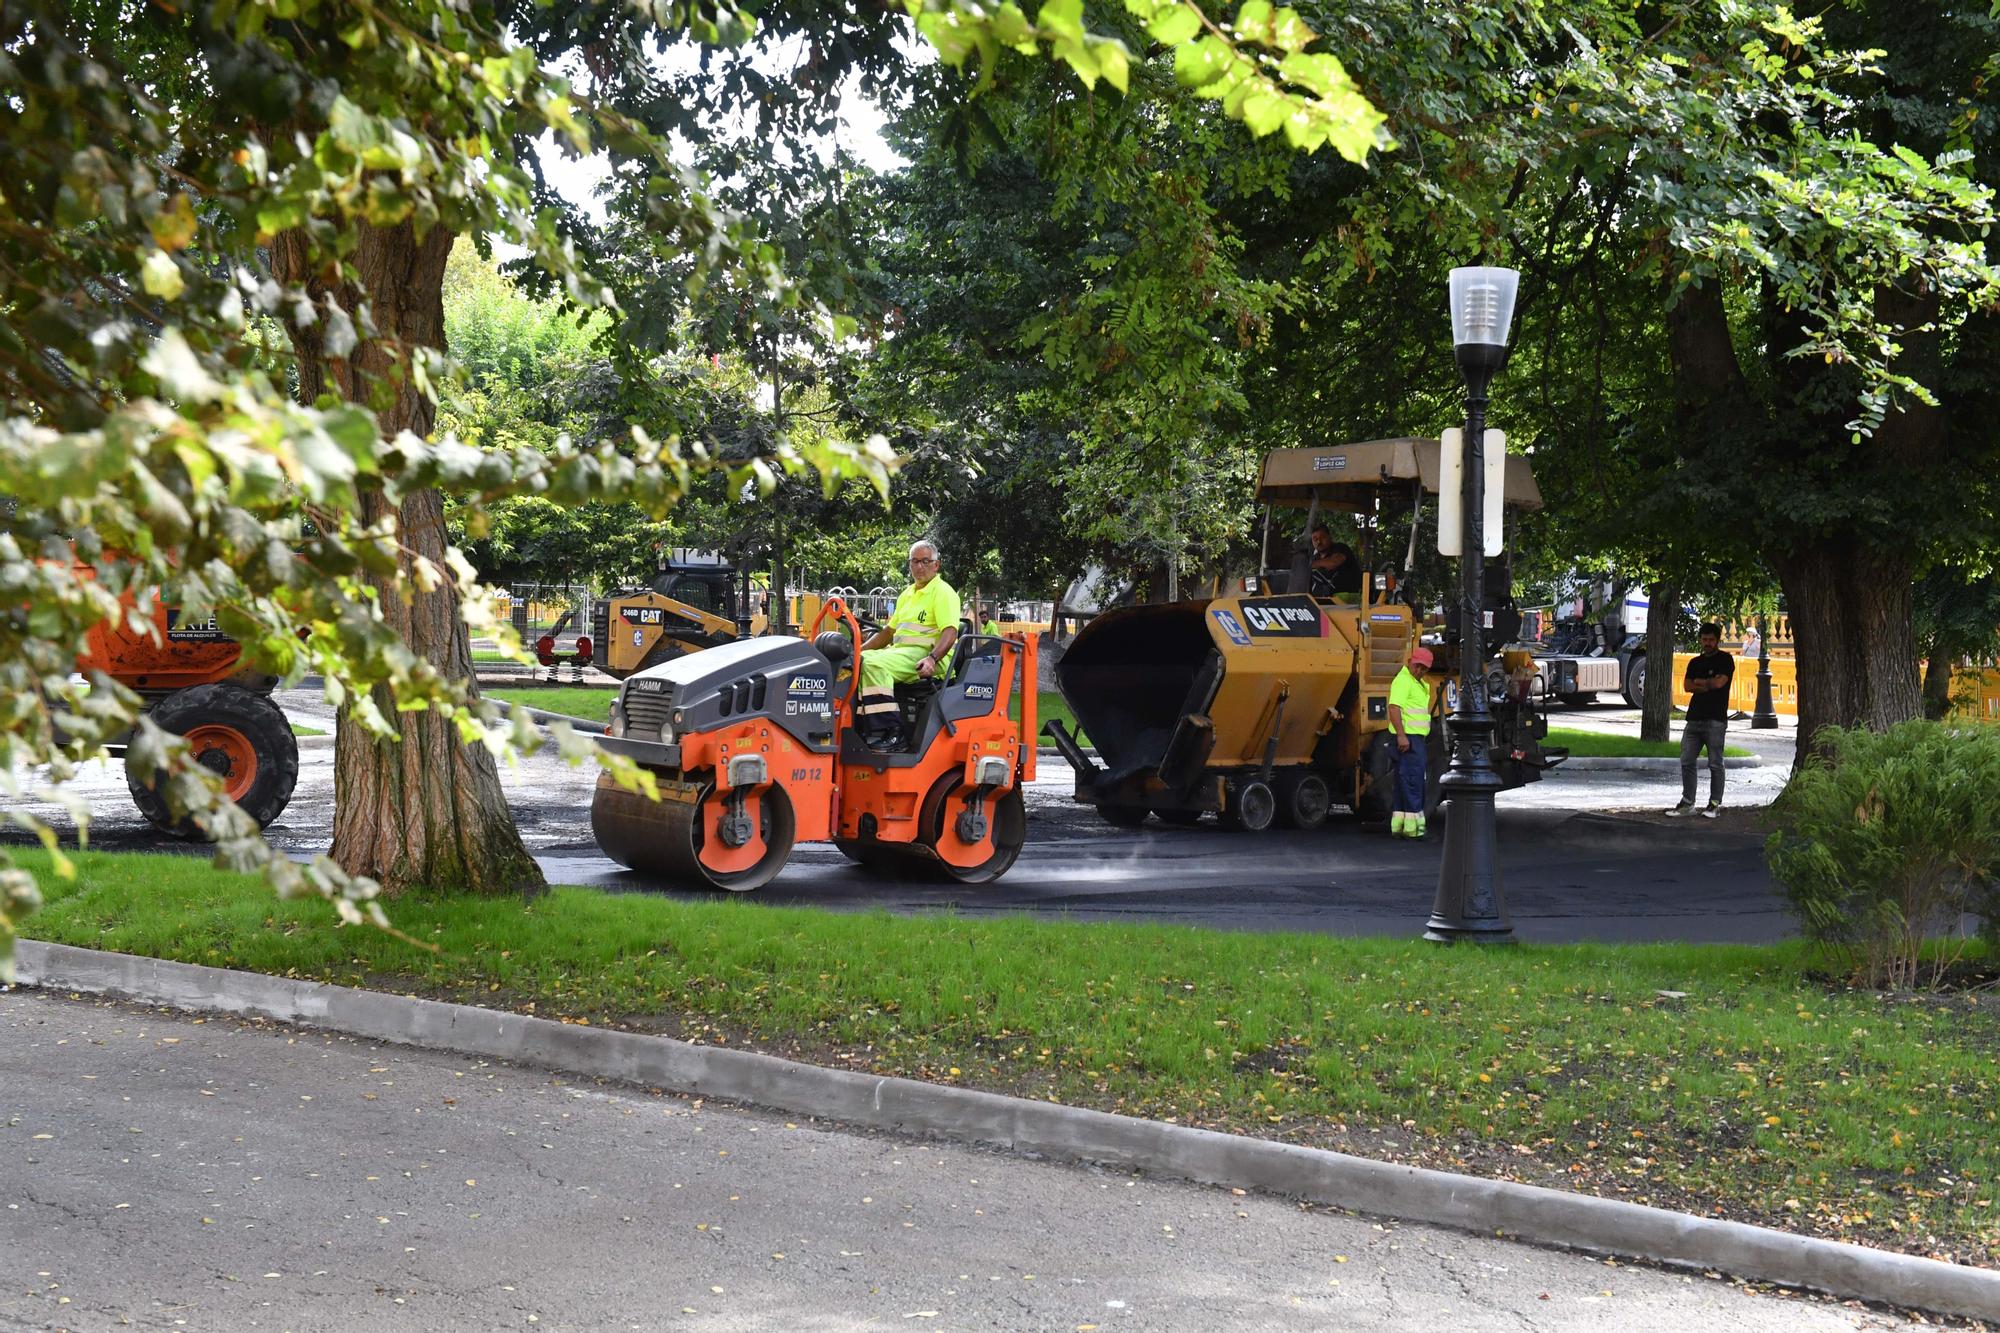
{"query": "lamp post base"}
(1469, 903)
(1766, 715)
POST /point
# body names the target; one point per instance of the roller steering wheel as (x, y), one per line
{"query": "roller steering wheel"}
(837, 607)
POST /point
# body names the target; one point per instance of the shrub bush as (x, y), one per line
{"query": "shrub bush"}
(1889, 843)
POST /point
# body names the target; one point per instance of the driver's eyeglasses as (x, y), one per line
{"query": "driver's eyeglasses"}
(923, 560)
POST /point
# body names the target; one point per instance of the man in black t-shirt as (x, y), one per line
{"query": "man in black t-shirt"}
(1707, 680)
(1334, 569)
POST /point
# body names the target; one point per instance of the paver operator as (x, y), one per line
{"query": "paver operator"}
(914, 645)
(1410, 718)
(1335, 572)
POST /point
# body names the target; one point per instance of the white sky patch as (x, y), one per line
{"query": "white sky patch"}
(860, 122)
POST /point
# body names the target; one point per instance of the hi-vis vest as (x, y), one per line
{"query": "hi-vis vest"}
(1414, 698)
(923, 614)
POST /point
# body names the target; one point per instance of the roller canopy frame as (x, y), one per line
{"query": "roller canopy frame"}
(1352, 476)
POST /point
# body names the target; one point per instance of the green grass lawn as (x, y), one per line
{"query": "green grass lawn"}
(298, 730)
(585, 701)
(1703, 1077)
(1600, 745)
(1049, 704)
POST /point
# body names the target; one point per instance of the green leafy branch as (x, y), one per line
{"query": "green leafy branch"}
(1257, 67)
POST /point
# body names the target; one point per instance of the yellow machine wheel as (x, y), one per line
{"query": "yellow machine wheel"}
(1379, 770)
(1303, 800)
(1251, 806)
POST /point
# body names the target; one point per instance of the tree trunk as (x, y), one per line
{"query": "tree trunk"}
(1937, 686)
(426, 810)
(1852, 635)
(1663, 605)
(780, 608)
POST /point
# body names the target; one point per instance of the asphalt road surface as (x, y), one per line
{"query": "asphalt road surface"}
(1569, 871)
(167, 1173)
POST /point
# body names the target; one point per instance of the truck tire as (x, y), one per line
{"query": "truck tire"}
(1251, 807)
(239, 735)
(1635, 683)
(1303, 800)
(1123, 816)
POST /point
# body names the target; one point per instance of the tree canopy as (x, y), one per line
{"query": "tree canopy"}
(224, 229)
(1755, 334)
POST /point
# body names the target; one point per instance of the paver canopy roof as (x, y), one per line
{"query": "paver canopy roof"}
(1351, 476)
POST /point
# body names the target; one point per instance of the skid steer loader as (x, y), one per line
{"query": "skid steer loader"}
(1274, 708)
(196, 685)
(753, 747)
(688, 606)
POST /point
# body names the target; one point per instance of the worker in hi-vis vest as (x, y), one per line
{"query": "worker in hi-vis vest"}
(914, 645)
(1410, 719)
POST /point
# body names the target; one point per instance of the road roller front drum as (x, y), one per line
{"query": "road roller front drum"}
(697, 835)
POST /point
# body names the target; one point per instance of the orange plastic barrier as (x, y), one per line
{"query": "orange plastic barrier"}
(1984, 688)
(1743, 685)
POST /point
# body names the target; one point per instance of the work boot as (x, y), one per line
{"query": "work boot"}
(1420, 823)
(880, 732)
(1396, 821)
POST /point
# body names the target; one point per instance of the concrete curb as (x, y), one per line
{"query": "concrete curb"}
(1526, 1212)
(315, 742)
(1051, 752)
(1645, 764)
(1603, 832)
(582, 724)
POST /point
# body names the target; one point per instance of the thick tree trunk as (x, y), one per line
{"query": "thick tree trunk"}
(1853, 637)
(425, 810)
(1937, 686)
(1663, 603)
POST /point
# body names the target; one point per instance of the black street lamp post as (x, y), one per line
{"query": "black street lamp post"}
(1766, 715)
(1469, 904)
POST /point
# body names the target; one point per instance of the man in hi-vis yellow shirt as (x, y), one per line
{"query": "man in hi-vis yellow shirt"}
(1410, 719)
(914, 645)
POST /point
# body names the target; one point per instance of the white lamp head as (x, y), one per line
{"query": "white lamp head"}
(1482, 305)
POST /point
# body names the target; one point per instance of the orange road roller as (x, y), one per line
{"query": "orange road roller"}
(753, 746)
